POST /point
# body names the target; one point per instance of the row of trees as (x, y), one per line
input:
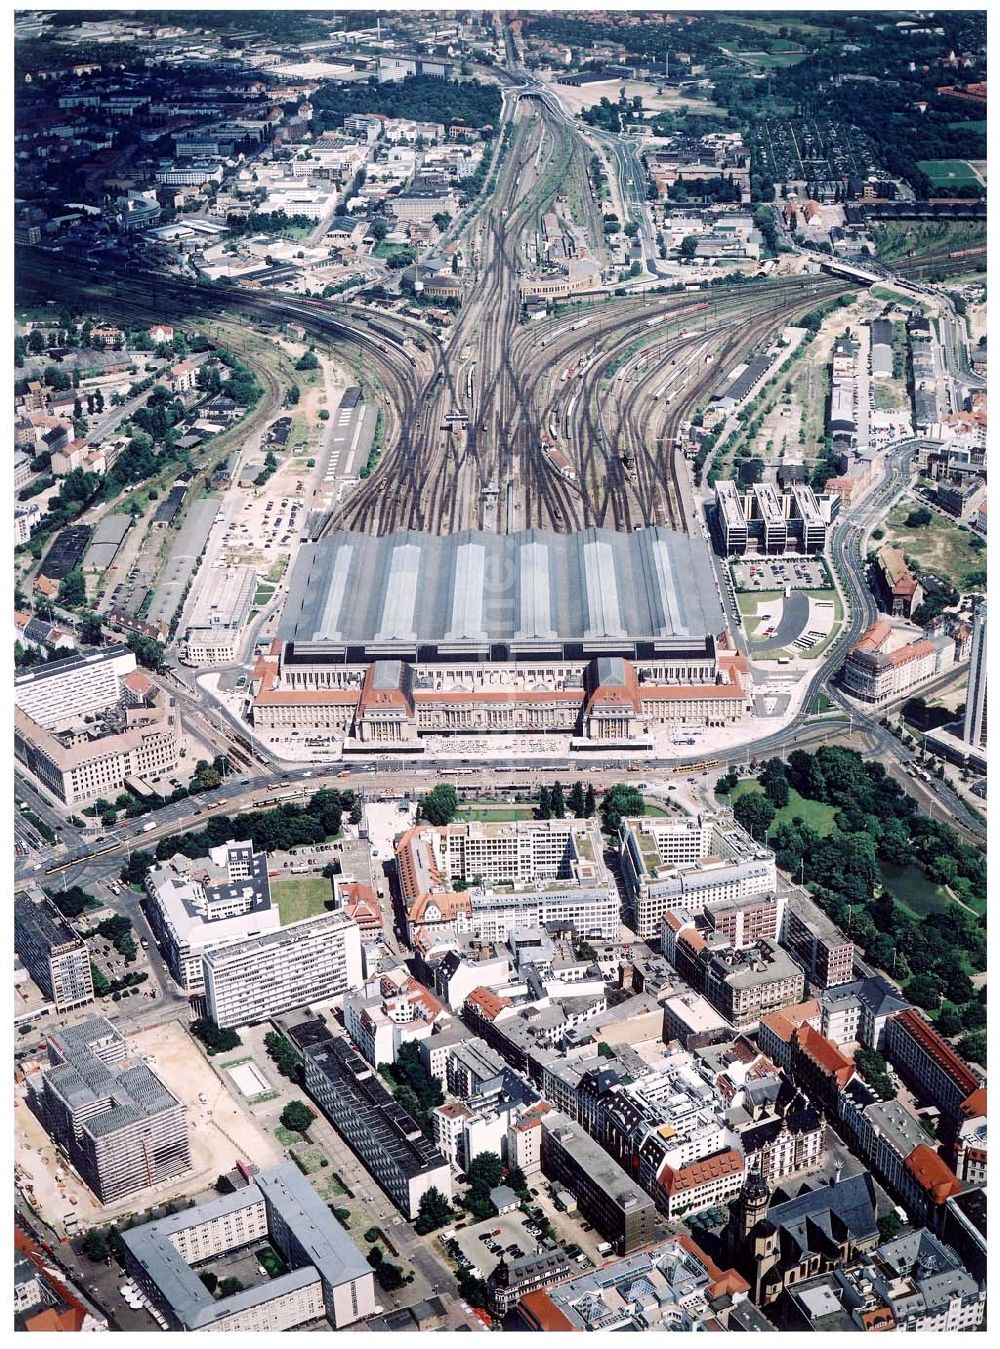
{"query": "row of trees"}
(554, 805)
(277, 830)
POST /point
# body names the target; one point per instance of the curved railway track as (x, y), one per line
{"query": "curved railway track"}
(468, 422)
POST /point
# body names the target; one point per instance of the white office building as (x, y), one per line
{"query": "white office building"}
(689, 862)
(314, 960)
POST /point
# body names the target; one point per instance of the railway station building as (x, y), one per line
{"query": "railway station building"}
(601, 635)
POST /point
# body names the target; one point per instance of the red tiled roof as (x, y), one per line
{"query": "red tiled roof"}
(696, 1174)
(541, 1312)
(723, 1280)
(939, 1050)
(932, 1173)
(974, 1105)
(487, 1003)
(787, 1020)
(915, 651)
(824, 1053)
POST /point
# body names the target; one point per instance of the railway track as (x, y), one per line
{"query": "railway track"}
(468, 421)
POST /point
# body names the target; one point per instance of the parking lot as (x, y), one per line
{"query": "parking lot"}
(774, 573)
(483, 1244)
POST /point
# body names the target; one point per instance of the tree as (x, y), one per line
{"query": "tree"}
(925, 990)
(102, 985)
(918, 518)
(774, 780)
(872, 1067)
(210, 1280)
(889, 1225)
(308, 361)
(544, 803)
(973, 1047)
(95, 1247)
(389, 1276)
(589, 801)
(688, 247)
(726, 783)
(284, 1055)
(434, 1211)
(223, 1184)
(440, 805)
(950, 1022)
(619, 802)
(91, 633)
(558, 802)
(576, 801)
(229, 1287)
(518, 1182)
(73, 589)
(297, 1116)
(147, 651)
(215, 1040)
(755, 813)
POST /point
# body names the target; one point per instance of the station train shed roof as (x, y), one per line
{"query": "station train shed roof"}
(532, 591)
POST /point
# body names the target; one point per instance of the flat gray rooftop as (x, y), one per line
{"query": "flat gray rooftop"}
(530, 589)
(328, 1251)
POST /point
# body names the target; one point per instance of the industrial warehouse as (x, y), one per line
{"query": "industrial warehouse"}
(597, 634)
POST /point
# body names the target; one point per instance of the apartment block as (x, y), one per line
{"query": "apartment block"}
(314, 960)
(112, 1117)
(928, 1063)
(516, 875)
(859, 1011)
(88, 682)
(327, 1277)
(689, 863)
(623, 1213)
(385, 1138)
(682, 1291)
(896, 588)
(200, 903)
(392, 1010)
(743, 984)
(709, 1183)
(55, 957)
(974, 728)
(819, 946)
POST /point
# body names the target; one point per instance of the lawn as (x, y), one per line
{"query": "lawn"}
(941, 547)
(948, 172)
(838, 615)
(888, 395)
(301, 897)
(978, 127)
(773, 60)
(817, 814)
(496, 814)
(896, 297)
(264, 593)
(384, 250)
(747, 601)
